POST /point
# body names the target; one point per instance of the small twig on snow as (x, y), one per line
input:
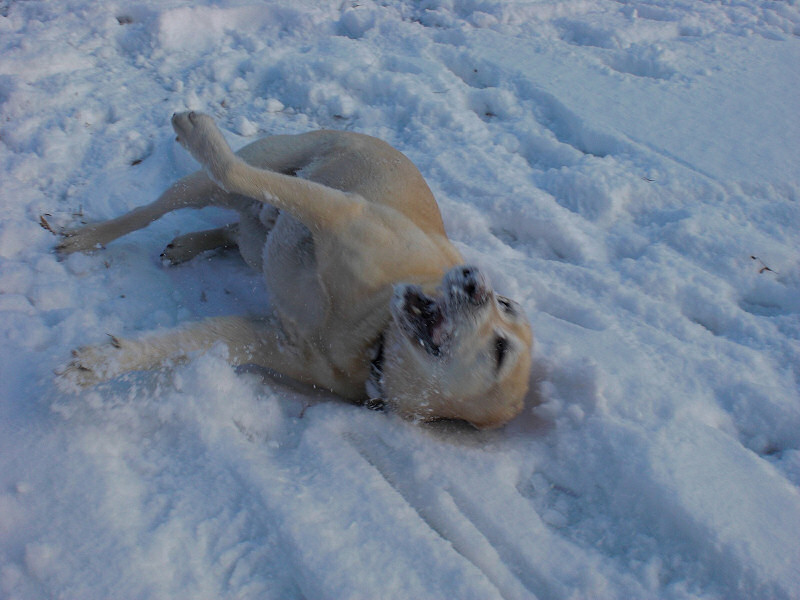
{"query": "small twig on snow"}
(45, 225)
(763, 266)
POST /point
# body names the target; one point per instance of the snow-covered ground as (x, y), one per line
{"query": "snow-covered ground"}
(628, 170)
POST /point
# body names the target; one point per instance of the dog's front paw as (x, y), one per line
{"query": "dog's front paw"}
(198, 133)
(91, 365)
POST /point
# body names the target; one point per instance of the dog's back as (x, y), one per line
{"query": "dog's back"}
(355, 163)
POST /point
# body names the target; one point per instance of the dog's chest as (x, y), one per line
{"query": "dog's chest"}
(290, 270)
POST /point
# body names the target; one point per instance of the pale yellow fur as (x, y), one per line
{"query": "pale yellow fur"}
(342, 226)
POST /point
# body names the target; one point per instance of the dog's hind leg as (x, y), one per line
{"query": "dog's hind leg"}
(193, 191)
(186, 247)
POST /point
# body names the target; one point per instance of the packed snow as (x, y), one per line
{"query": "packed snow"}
(628, 170)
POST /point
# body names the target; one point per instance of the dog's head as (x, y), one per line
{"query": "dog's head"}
(462, 352)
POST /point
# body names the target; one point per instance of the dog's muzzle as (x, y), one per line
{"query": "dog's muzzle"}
(466, 285)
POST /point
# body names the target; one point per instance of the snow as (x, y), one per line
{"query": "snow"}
(628, 171)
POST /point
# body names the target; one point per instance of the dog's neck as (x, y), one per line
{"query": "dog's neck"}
(374, 385)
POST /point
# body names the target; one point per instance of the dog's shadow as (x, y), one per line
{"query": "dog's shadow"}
(529, 422)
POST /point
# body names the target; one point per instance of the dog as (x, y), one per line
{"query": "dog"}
(369, 298)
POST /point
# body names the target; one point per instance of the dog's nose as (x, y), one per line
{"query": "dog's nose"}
(469, 281)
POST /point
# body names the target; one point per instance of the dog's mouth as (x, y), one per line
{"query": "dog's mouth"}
(428, 320)
(421, 317)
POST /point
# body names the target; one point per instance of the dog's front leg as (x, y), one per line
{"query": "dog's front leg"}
(317, 206)
(248, 340)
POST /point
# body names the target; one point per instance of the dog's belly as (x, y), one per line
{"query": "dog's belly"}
(290, 270)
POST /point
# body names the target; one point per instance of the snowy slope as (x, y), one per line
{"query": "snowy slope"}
(629, 171)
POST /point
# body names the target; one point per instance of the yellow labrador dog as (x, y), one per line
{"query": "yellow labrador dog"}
(369, 298)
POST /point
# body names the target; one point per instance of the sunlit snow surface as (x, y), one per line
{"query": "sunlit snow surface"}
(628, 171)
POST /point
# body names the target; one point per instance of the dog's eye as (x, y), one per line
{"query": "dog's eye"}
(506, 305)
(500, 350)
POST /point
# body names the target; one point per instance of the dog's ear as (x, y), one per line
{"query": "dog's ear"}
(536, 377)
(531, 421)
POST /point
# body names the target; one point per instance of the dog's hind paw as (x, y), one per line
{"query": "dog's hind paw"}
(175, 254)
(82, 239)
(186, 247)
(77, 375)
(183, 249)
